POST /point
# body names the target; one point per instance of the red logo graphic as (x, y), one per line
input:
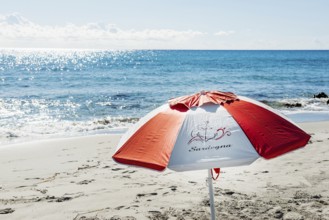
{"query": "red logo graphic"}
(205, 133)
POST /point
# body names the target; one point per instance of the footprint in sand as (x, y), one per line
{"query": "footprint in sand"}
(131, 171)
(146, 194)
(116, 217)
(6, 211)
(87, 166)
(173, 188)
(70, 161)
(117, 169)
(63, 199)
(126, 176)
(119, 207)
(229, 193)
(43, 191)
(33, 178)
(85, 182)
(58, 199)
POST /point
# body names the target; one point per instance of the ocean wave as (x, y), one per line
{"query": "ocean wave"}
(61, 128)
(75, 92)
(25, 118)
(299, 104)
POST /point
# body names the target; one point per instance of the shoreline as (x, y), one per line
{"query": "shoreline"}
(76, 178)
(295, 116)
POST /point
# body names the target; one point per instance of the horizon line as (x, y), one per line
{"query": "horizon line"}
(187, 49)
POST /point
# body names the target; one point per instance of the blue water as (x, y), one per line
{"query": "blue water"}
(72, 92)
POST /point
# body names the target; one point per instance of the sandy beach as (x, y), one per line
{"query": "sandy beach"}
(76, 178)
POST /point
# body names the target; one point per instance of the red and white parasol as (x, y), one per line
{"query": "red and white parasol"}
(207, 130)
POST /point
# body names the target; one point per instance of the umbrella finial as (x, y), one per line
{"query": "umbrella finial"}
(203, 92)
(184, 103)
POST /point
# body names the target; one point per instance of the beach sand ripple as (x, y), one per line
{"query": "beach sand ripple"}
(76, 178)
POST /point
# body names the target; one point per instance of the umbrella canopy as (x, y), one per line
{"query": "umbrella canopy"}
(206, 130)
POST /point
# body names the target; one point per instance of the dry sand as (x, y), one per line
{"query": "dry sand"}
(77, 179)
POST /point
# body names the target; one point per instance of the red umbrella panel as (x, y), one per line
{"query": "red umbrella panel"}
(207, 130)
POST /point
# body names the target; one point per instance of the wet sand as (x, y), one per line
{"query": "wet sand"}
(76, 178)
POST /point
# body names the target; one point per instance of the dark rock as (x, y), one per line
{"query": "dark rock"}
(293, 105)
(321, 95)
(327, 102)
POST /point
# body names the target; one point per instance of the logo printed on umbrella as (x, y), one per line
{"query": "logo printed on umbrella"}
(201, 134)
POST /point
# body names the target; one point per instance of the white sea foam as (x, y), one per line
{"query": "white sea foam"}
(49, 128)
(28, 119)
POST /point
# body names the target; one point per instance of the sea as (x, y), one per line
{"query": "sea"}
(50, 93)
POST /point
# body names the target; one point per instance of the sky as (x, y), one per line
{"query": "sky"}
(165, 24)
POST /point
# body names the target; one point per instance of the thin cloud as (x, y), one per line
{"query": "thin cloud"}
(224, 33)
(15, 28)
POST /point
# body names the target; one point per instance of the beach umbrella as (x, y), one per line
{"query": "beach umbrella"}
(206, 130)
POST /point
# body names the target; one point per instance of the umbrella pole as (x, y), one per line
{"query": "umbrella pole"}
(211, 195)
